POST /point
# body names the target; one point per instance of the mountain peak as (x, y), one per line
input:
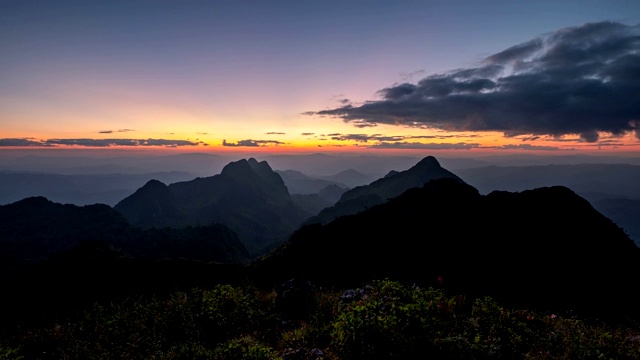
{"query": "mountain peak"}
(379, 191)
(236, 167)
(428, 162)
(154, 184)
(248, 168)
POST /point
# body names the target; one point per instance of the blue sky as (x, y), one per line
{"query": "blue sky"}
(254, 73)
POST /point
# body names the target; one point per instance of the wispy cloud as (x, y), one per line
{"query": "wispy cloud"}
(87, 142)
(578, 80)
(121, 142)
(111, 131)
(523, 147)
(364, 138)
(428, 146)
(275, 133)
(252, 143)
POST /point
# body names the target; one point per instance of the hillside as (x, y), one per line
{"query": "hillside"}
(36, 229)
(546, 246)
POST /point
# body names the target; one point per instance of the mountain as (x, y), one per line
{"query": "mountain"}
(624, 212)
(36, 229)
(379, 191)
(350, 178)
(247, 196)
(299, 183)
(595, 182)
(545, 246)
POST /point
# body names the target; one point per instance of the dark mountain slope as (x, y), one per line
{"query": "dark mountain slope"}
(36, 229)
(247, 196)
(379, 191)
(153, 205)
(545, 246)
(624, 212)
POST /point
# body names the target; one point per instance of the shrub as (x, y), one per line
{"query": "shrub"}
(244, 348)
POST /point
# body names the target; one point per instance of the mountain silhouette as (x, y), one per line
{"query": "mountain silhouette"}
(36, 229)
(379, 191)
(247, 196)
(545, 246)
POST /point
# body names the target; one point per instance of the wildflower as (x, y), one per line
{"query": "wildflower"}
(553, 316)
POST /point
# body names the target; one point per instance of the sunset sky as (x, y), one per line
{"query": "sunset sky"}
(292, 76)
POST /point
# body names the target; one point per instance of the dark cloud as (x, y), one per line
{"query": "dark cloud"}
(589, 136)
(252, 143)
(362, 124)
(120, 142)
(578, 80)
(307, 134)
(21, 142)
(275, 133)
(111, 131)
(417, 145)
(531, 138)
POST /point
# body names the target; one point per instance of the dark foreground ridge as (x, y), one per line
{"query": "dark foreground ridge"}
(545, 246)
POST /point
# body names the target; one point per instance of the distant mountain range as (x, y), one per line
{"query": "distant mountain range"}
(84, 189)
(546, 245)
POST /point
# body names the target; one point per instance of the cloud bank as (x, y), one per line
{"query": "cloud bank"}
(579, 80)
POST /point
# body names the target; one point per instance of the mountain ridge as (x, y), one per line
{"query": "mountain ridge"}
(247, 196)
(377, 192)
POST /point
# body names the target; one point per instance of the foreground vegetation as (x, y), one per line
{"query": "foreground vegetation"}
(381, 320)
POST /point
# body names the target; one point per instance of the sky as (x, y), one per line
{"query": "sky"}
(466, 77)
